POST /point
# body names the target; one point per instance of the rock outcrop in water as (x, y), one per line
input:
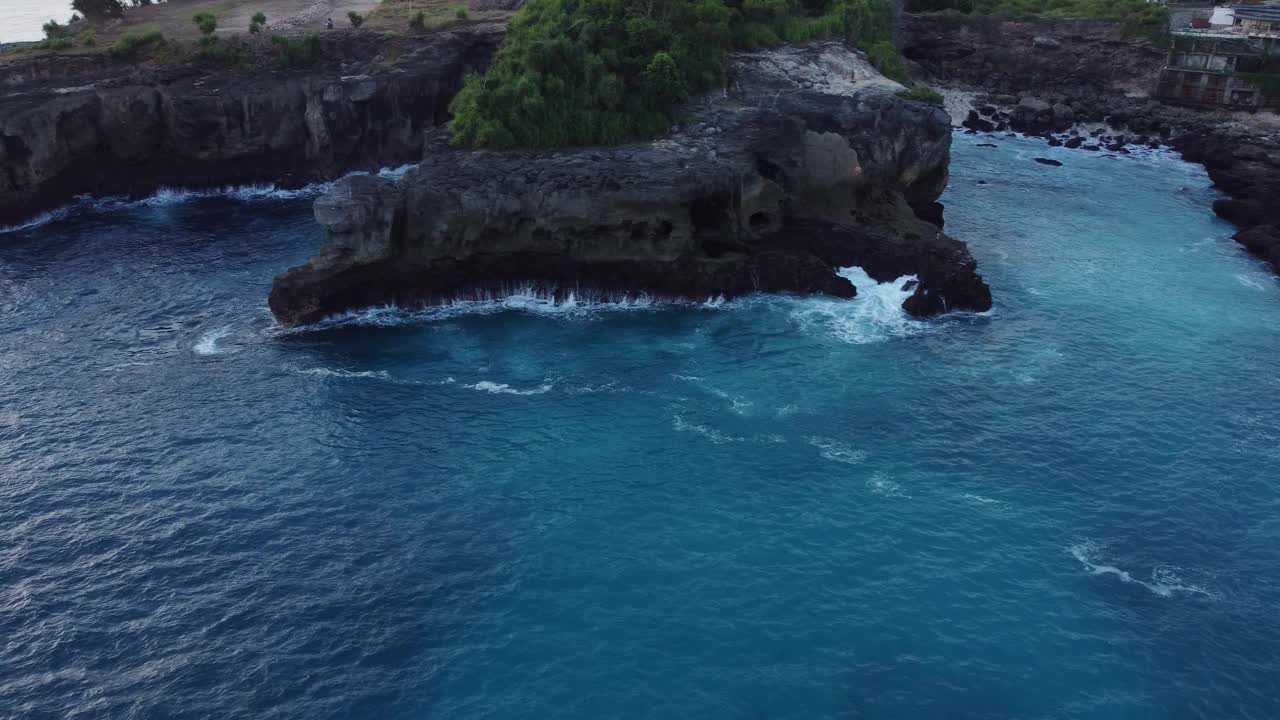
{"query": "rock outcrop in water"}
(99, 126)
(808, 162)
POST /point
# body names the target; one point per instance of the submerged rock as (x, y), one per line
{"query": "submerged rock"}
(1047, 161)
(818, 165)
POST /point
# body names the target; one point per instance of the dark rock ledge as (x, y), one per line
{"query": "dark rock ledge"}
(807, 163)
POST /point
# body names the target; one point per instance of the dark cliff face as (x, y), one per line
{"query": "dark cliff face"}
(67, 128)
(809, 162)
(1041, 56)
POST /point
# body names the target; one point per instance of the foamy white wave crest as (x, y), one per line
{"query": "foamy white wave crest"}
(395, 173)
(880, 484)
(836, 451)
(875, 315)
(736, 402)
(208, 343)
(1165, 581)
(527, 298)
(709, 433)
(505, 389)
(341, 373)
(167, 196)
(38, 220)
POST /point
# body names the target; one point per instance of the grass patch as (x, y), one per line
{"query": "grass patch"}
(137, 42)
(922, 94)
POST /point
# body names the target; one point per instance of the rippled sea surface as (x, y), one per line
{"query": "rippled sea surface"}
(774, 508)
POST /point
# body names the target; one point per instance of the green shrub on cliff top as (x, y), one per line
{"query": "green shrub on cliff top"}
(588, 72)
(206, 21)
(136, 42)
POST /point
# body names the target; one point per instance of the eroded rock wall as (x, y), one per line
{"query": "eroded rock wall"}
(67, 128)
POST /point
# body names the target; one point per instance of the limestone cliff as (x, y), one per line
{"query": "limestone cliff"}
(807, 162)
(72, 125)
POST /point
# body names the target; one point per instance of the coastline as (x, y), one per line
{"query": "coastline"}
(1007, 75)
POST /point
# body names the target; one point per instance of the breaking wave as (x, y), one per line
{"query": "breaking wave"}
(208, 343)
(875, 315)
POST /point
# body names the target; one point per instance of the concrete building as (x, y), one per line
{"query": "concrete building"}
(1215, 70)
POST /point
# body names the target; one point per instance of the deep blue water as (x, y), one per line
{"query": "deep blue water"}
(777, 508)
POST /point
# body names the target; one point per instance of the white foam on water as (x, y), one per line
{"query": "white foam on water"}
(41, 219)
(341, 373)
(609, 387)
(981, 500)
(880, 484)
(208, 343)
(836, 451)
(1165, 581)
(786, 410)
(169, 196)
(526, 298)
(874, 315)
(1250, 282)
(396, 173)
(505, 389)
(709, 433)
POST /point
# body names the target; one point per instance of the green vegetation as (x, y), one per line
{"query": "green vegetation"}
(206, 21)
(356, 19)
(137, 42)
(54, 30)
(922, 94)
(591, 72)
(461, 14)
(418, 21)
(88, 38)
(257, 22)
(296, 51)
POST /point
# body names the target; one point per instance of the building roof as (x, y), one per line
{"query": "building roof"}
(1266, 13)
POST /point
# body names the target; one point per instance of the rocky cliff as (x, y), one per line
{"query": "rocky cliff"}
(71, 125)
(1046, 77)
(806, 163)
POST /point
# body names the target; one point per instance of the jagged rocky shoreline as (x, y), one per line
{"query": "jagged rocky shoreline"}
(96, 125)
(806, 163)
(1052, 78)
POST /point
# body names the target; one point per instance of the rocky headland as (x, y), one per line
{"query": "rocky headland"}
(1084, 84)
(807, 162)
(98, 125)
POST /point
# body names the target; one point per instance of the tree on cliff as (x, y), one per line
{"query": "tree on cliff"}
(600, 72)
(98, 9)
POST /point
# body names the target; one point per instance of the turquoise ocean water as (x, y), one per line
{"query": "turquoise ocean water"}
(774, 508)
